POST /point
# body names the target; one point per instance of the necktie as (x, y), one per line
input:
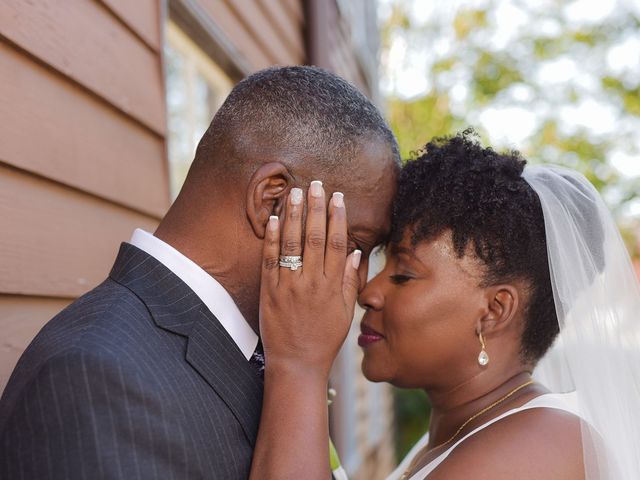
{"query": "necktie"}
(257, 360)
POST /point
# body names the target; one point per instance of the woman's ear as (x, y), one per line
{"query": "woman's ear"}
(266, 194)
(502, 302)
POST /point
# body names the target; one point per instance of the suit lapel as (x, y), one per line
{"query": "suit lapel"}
(218, 359)
(210, 349)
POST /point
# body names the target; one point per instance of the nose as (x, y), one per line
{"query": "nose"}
(363, 273)
(371, 296)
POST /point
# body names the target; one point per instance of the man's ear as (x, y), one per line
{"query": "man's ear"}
(266, 194)
(502, 303)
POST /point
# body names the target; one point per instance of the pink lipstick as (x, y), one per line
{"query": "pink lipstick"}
(368, 336)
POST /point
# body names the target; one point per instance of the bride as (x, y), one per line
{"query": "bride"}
(507, 295)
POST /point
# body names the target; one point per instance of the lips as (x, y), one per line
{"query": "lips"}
(368, 336)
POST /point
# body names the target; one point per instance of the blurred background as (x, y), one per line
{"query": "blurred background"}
(102, 103)
(557, 80)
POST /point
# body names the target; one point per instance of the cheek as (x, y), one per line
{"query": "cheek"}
(428, 327)
(415, 310)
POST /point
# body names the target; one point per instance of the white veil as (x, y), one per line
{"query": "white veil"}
(597, 298)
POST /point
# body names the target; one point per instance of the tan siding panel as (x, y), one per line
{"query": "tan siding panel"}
(287, 25)
(295, 8)
(344, 61)
(21, 318)
(85, 42)
(57, 242)
(229, 23)
(58, 131)
(264, 32)
(143, 16)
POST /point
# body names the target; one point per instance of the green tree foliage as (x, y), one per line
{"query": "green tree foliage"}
(470, 70)
(411, 412)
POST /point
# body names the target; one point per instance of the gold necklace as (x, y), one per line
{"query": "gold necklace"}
(405, 475)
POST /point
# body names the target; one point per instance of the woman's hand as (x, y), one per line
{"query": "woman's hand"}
(305, 316)
(305, 313)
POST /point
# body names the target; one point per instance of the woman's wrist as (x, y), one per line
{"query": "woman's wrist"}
(296, 372)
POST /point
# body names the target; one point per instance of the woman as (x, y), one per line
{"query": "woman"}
(465, 308)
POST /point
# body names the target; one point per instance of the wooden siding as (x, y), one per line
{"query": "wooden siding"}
(264, 32)
(142, 17)
(56, 241)
(52, 128)
(343, 58)
(20, 319)
(331, 45)
(82, 151)
(82, 40)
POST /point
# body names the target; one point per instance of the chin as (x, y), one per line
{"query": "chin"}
(373, 373)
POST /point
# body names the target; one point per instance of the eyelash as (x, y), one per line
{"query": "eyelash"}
(399, 279)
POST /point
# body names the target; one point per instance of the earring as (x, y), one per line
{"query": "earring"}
(483, 358)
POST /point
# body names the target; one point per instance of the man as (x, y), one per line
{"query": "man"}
(156, 372)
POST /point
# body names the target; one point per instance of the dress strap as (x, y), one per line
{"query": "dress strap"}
(561, 401)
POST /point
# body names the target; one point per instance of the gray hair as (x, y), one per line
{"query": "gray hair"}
(305, 112)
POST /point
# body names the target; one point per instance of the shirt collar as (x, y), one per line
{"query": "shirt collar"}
(212, 294)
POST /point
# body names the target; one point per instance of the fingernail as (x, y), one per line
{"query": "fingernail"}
(273, 223)
(296, 196)
(316, 188)
(338, 199)
(355, 258)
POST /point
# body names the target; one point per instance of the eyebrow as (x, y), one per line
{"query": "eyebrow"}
(398, 249)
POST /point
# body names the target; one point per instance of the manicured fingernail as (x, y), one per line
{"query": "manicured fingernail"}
(316, 188)
(355, 258)
(273, 223)
(338, 199)
(296, 196)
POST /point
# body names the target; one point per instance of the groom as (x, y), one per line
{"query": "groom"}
(156, 372)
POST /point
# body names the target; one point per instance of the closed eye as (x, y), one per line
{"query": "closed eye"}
(399, 279)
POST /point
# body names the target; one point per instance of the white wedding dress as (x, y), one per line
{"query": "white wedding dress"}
(561, 401)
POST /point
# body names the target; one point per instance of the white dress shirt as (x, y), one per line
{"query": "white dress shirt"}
(212, 294)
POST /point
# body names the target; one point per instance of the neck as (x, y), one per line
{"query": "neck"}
(450, 409)
(215, 243)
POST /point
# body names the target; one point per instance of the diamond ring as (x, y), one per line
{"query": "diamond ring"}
(292, 262)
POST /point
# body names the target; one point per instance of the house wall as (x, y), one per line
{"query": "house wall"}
(82, 151)
(243, 36)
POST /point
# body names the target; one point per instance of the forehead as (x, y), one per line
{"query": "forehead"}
(369, 202)
(439, 253)
(369, 220)
(370, 192)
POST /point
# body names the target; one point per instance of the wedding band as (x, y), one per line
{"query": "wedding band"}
(292, 262)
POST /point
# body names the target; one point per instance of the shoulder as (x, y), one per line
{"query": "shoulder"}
(69, 381)
(106, 326)
(110, 299)
(88, 413)
(531, 444)
(99, 314)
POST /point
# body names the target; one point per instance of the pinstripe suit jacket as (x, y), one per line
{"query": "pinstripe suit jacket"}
(136, 379)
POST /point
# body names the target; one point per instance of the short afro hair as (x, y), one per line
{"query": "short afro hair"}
(454, 184)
